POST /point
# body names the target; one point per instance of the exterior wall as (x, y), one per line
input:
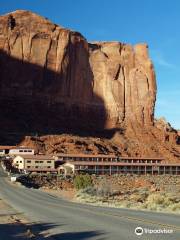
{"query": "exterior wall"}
(21, 151)
(39, 164)
(2, 152)
(18, 162)
(110, 164)
(119, 168)
(108, 158)
(33, 164)
(97, 165)
(67, 168)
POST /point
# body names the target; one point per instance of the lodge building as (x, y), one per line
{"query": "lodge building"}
(25, 160)
(35, 163)
(107, 158)
(16, 150)
(111, 164)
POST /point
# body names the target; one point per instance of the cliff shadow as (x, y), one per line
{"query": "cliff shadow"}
(32, 103)
(19, 231)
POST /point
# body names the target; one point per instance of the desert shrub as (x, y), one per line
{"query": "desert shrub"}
(175, 207)
(89, 190)
(155, 199)
(82, 181)
(104, 189)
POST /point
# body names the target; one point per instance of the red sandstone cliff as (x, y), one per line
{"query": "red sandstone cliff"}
(51, 78)
(115, 79)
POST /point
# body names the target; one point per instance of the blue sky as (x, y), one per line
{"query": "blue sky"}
(156, 22)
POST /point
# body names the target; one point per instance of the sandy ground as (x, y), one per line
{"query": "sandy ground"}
(65, 194)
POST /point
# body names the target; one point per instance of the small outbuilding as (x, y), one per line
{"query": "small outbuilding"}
(66, 169)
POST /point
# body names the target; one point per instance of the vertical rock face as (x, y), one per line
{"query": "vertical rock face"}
(125, 80)
(58, 78)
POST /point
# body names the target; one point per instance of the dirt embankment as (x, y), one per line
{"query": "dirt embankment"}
(127, 141)
(158, 193)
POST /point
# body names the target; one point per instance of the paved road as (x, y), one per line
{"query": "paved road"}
(67, 220)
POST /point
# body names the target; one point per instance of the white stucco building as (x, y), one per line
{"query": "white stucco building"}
(34, 163)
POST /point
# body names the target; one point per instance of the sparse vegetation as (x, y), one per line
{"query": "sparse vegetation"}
(156, 193)
(160, 201)
(104, 189)
(82, 181)
(143, 193)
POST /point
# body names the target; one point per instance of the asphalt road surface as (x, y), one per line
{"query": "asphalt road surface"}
(66, 220)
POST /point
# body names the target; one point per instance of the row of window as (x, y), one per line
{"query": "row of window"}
(131, 168)
(123, 171)
(96, 159)
(29, 161)
(21, 150)
(38, 167)
(24, 150)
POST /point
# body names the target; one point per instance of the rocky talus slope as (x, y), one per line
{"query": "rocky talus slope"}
(53, 81)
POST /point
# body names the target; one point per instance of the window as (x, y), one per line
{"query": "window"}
(20, 150)
(83, 167)
(41, 161)
(20, 161)
(29, 161)
(28, 166)
(25, 150)
(36, 161)
(48, 166)
(29, 150)
(36, 167)
(114, 159)
(48, 161)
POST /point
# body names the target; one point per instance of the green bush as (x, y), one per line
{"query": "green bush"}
(82, 181)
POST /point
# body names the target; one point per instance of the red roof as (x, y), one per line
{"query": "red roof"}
(13, 147)
(7, 147)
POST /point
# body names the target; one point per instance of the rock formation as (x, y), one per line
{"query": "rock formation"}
(112, 81)
(52, 79)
